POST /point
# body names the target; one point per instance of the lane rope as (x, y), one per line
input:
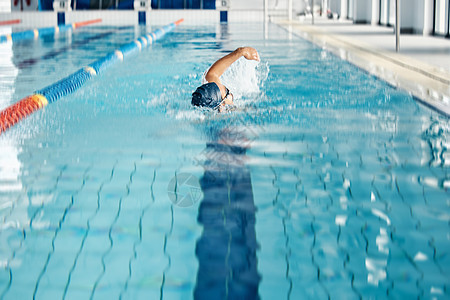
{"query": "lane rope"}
(35, 33)
(10, 22)
(41, 98)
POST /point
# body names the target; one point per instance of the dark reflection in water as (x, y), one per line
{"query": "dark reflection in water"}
(226, 251)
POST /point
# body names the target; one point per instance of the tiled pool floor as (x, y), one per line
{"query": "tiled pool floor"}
(341, 192)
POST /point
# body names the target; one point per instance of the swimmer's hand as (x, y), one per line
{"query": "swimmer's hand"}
(217, 69)
(249, 53)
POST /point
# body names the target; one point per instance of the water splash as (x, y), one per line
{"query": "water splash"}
(245, 80)
(245, 77)
(436, 138)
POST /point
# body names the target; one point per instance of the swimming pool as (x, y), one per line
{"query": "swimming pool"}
(323, 183)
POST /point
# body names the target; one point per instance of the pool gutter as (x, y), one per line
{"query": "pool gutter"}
(428, 84)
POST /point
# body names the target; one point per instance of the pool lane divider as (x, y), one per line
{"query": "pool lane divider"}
(41, 98)
(35, 33)
(74, 45)
(10, 22)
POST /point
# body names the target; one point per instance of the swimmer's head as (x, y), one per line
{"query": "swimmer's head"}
(207, 95)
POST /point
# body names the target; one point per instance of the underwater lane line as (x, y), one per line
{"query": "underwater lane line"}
(35, 33)
(25, 107)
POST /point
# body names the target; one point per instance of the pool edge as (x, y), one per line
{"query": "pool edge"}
(426, 83)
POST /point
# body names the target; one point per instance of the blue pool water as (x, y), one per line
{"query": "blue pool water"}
(324, 182)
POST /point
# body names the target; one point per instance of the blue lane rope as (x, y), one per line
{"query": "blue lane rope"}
(35, 33)
(77, 79)
(74, 45)
(23, 108)
(65, 86)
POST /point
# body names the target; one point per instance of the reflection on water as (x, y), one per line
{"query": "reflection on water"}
(13, 202)
(436, 142)
(226, 251)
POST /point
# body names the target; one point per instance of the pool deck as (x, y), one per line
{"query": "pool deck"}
(422, 66)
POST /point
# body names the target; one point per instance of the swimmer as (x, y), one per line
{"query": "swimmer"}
(213, 93)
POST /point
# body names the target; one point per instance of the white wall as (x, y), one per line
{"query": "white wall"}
(274, 5)
(427, 17)
(31, 19)
(5, 6)
(127, 17)
(408, 14)
(412, 13)
(109, 17)
(368, 11)
(418, 15)
(335, 6)
(241, 11)
(250, 4)
(191, 17)
(362, 11)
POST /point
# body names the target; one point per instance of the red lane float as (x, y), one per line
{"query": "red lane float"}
(10, 22)
(178, 22)
(25, 107)
(35, 33)
(85, 23)
(20, 110)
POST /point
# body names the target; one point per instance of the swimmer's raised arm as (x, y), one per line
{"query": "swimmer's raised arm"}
(220, 66)
(214, 94)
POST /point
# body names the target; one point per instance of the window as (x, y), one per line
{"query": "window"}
(441, 17)
(384, 12)
(350, 9)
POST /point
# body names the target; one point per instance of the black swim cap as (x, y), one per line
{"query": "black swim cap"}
(208, 95)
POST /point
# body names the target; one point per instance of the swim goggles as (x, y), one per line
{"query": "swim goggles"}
(228, 95)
